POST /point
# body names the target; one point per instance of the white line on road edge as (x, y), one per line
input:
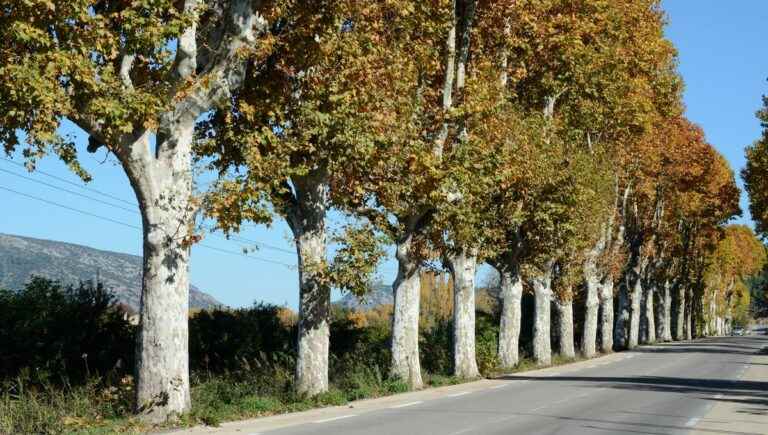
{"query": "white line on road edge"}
(406, 404)
(692, 422)
(718, 396)
(459, 394)
(496, 387)
(553, 374)
(334, 418)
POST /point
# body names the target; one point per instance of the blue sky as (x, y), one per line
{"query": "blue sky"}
(722, 59)
(724, 63)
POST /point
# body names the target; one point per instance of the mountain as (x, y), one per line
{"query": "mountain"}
(380, 294)
(22, 257)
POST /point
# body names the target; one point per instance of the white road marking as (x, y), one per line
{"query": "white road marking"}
(537, 409)
(464, 393)
(496, 387)
(692, 422)
(718, 396)
(475, 428)
(553, 374)
(335, 418)
(406, 404)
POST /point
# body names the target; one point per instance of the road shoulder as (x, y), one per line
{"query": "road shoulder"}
(742, 409)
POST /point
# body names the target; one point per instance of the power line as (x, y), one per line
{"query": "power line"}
(71, 208)
(135, 227)
(52, 186)
(64, 180)
(267, 246)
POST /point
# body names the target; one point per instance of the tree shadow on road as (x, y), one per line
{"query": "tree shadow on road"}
(752, 393)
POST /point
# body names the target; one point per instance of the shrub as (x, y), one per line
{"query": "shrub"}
(225, 340)
(63, 334)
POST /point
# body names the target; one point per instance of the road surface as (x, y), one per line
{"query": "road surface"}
(665, 389)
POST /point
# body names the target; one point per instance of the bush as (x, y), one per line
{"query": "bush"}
(63, 334)
(435, 348)
(487, 343)
(223, 341)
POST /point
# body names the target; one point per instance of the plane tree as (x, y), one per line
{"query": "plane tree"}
(397, 184)
(135, 77)
(328, 94)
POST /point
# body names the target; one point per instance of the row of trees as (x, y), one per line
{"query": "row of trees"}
(542, 137)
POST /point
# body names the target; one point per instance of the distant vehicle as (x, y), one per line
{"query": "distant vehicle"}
(738, 331)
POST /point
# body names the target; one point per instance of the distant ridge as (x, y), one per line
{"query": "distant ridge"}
(22, 257)
(380, 294)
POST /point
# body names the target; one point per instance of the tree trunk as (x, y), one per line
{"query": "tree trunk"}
(564, 311)
(509, 326)
(666, 333)
(163, 187)
(591, 308)
(658, 311)
(307, 221)
(621, 325)
(405, 321)
(689, 315)
(606, 316)
(650, 316)
(636, 296)
(680, 314)
(713, 314)
(542, 346)
(463, 266)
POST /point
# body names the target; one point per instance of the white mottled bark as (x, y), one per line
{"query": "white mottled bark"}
(542, 344)
(463, 266)
(163, 187)
(688, 328)
(636, 296)
(720, 326)
(564, 316)
(509, 327)
(680, 314)
(405, 321)
(606, 316)
(591, 308)
(649, 315)
(307, 221)
(666, 326)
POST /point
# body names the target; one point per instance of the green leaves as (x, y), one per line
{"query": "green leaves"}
(755, 175)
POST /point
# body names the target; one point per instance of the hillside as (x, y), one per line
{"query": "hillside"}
(22, 257)
(380, 294)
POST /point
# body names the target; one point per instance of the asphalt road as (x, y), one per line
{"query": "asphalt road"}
(658, 390)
